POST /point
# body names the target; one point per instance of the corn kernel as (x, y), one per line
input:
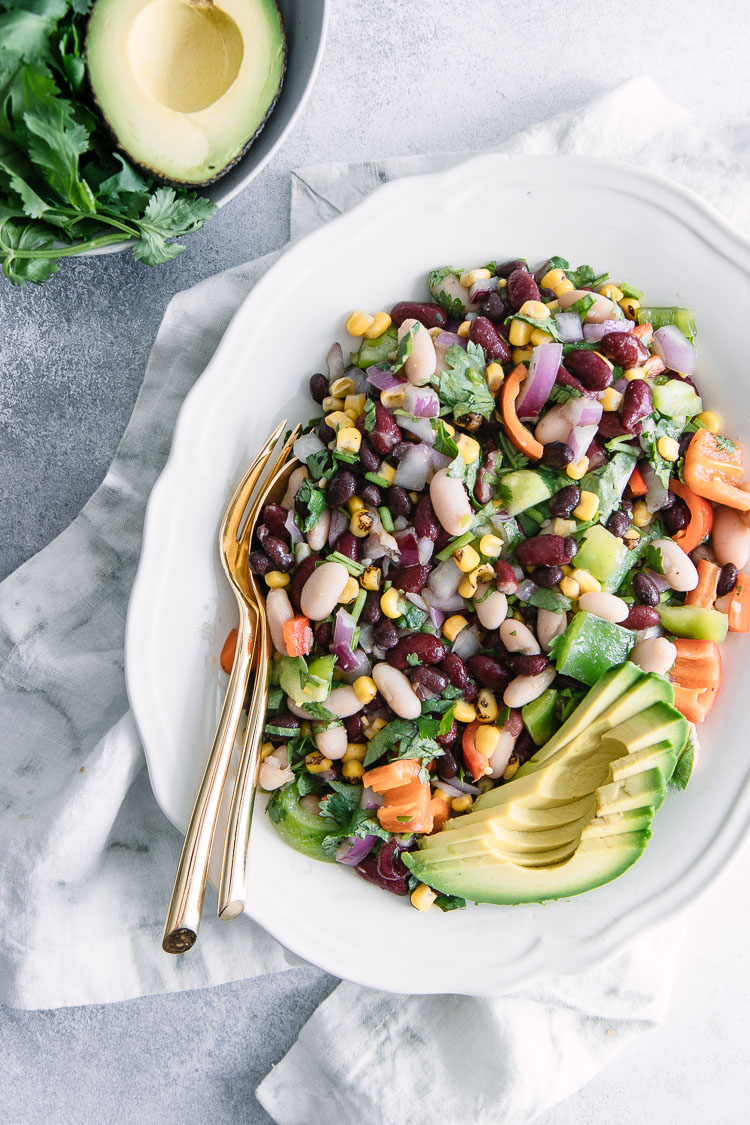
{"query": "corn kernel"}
(348, 439)
(353, 416)
(538, 336)
(422, 897)
(566, 286)
(612, 291)
(266, 749)
(519, 333)
(352, 770)
(486, 740)
(389, 603)
(387, 472)
(358, 322)
(464, 712)
(709, 421)
(631, 373)
(669, 448)
(414, 497)
(468, 279)
(578, 469)
(632, 533)
(393, 398)
(361, 523)
(610, 399)
(553, 307)
(521, 355)
(435, 332)
(381, 323)
(441, 795)
(466, 558)
(370, 578)
(511, 768)
(277, 580)
(342, 387)
(641, 515)
(356, 504)
(494, 375)
(569, 587)
(566, 568)
(365, 689)
(491, 546)
(316, 763)
(452, 626)
(467, 587)
(484, 573)
(564, 527)
(355, 751)
(373, 727)
(630, 307)
(332, 402)
(486, 706)
(587, 506)
(355, 404)
(537, 310)
(462, 804)
(587, 584)
(305, 728)
(337, 419)
(552, 279)
(469, 448)
(350, 591)
(463, 329)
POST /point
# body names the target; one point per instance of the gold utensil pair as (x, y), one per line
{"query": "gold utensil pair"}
(253, 638)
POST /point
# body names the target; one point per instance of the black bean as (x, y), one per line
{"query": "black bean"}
(278, 552)
(645, 590)
(618, 523)
(727, 579)
(323, 633)
(547, 575)
(493, 307)
(676, 517)
(341, 488)
(259, 562)
(447, 766)
(288, 722)
(385, 634)
(372, 495)
(399, 501)
(318, 387)
(368, 457)
(564, 501)
(371, 611)
(557, 455)
(326, 433)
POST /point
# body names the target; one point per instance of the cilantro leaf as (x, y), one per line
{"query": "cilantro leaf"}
(582, 305)
(388, 738)
(16, 238)
(405, 345)
(548, 324)
(653, 558)
(340, 804)
(462, 386)
(168, 215)
(315, 500)
(450, 902)
(444, 443)
(549, 599)
(435, 278)
(369, 415)
(557, 263)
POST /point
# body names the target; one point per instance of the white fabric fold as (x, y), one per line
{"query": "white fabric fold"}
(86, 857)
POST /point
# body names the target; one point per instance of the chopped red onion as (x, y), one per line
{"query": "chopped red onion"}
(335, 362)
(370, 799)
(525, 590)
(447, 788)
(343, 635)
(620, 385)
(675, 349)
(290, 524)
(535, 389)
(439, 460)
(442, 343)
(306, 445)
(352, 850)
(420, 427)
(437, 616)
(583, 411)
(467, 643)
(361, 667)
(658, 580)
(657, 496)
(580, 438)
(593, 333)
(366, 636)
(425, 548)
(422, 402)
(414, 467)
(400, 523)
(408, 547)
(464, 786)
(384, 380)
(449, 603)
(569, 327)
(445, 579)
(481, 289)
(339, 524)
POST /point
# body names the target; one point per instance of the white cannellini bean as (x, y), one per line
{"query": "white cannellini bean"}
(500, 756)
(517, 637)
(322, 590)
(293, 487)
(295, 708)
(343, 702)
(397, 691)
(331, 742)
(656, 654)
(420, 365)
(274, 770)
(731, 538)
(524, 689)
(318, 533)
(278, 610)
(554, 426)
(548, 626)
(491, 610)
(453, 289)
(451, 503)
(679, 570)
(602, 308)
(607, 606)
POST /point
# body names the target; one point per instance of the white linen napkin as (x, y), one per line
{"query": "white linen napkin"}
(87, 859)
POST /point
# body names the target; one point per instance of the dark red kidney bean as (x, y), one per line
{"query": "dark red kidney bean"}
(677, 516)
(323, 633)
(505, 579)
(627, 505)
(427, 648)
(505, 269)
(371, 495)
(318, 387)
(349, 546)
(565, 379)
(447, 739)
(596, 454)
(611, 426)
(637, 404)
(261, 533)
(564, 501)
(494, 308)
(447, 763)
(557, 455)
(525, 746)
(410, 579)
(590, 368)
(275, 517)
(618, 523)
(545, 550)
(385, 634)
(399, 501)
(426, 312)
(279, 553)
(443, 539)
(368, 869)
(386, 433)
(514, 724)
(483, 332)
(289, 722)
(521, 287)
(540, 271)
(458, 674)
(490, 672)
(301, 575)
(259, 562)
(368, 458)
(641, 617)
(353, 727)
(621, 348)
(547, 575)
(341, 488)
(483, 488)
(371, 611)
(430, 679)
(389, 862)
(524, 665)
(727, 579)
(326, 433)
(645, 590)
(547, 295)
(425, 521)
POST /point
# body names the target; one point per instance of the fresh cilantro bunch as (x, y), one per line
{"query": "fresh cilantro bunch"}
(63, 190)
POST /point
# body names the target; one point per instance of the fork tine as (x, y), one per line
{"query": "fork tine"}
(244, 490)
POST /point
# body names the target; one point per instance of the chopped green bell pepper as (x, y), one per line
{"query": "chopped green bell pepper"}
(668, 314)
(694, 621)
(590, 646)
(539, 716)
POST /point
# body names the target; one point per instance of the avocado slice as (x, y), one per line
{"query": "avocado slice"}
(186, 85)
(646, 788)
(613, 824)
(523, 817)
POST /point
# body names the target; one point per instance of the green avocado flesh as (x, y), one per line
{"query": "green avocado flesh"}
(301, 830)
(578, 814)
(185, 85)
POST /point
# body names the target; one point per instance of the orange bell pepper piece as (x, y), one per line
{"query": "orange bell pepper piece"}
(696, 676)
(228, 651)
(298, 636)
(636, 483)
(522, 439)
(476, 763)
(713, 467)
(406, 807)
(701, 517)
(737, 605)
(704, 594)
(643, 332)
(441, 811)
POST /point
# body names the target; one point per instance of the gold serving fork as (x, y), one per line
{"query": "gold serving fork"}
(183, 915)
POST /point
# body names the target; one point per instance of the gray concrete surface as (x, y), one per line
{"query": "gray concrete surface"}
(396, 78)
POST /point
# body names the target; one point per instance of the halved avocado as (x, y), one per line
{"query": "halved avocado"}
(186, 85)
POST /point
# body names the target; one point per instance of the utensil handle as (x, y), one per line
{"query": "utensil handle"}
(233, 886)
(184, 914)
